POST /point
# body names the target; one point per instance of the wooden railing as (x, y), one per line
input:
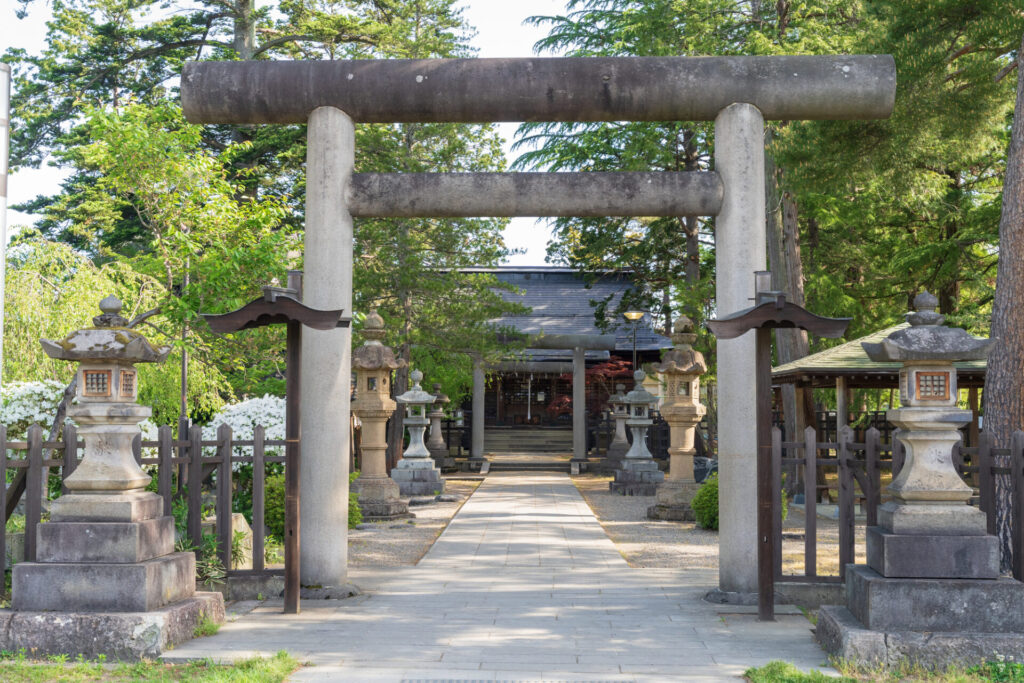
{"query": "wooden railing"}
(857, 469)
(188, 459)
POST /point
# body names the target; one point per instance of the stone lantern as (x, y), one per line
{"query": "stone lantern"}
(436, 445)
(416, 472)
(639, 474)
(373, 362)
(682, 368)
(619, 444)
(931, 591)
(108, 547)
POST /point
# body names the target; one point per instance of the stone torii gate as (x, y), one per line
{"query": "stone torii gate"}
(737, 93)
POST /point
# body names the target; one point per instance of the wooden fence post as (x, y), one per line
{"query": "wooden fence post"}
(986, 481)
(165, 463)
(70, 454)
(810, 502)
(183, 454)
(33, 490)
(195, 486)
(846, 500)
(777, 454)
(225, 445)
(3, 495)
(1017, 509)
(258, 514)
(872, 498)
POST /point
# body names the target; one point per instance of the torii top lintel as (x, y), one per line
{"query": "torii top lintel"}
(784, 87)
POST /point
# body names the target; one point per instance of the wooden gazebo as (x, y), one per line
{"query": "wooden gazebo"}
(847, 367)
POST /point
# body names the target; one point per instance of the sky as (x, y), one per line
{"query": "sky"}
(500, 33)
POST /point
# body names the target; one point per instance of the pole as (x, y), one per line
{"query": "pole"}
(293, 456)
(765, 537)
(5, 128)
(634, 345)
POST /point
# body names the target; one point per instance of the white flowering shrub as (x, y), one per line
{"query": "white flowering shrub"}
(243, 418)
(28, 403)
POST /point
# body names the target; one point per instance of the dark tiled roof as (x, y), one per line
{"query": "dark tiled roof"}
(561, 304)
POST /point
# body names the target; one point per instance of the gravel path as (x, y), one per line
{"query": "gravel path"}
(647, 542)
(402, 543)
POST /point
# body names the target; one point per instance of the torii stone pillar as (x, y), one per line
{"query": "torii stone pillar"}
(740, 233)
(682, 367)
(579, 404)
(476, 450)
(326, 355)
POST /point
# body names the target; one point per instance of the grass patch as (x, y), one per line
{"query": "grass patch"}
(205, 627)
(18, 669)
(783, 672)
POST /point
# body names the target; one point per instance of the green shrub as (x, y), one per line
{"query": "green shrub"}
(273, 506)
(355, 515)
(705, 503)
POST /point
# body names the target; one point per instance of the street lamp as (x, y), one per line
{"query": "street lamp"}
(634, 317)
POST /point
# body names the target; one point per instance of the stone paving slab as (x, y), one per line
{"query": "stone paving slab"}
(523, 585)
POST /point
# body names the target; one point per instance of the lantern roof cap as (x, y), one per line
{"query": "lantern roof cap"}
(928, 338)
(439, 396)
(109, 340)
(416, 395)
(620, 394)
(639, 395)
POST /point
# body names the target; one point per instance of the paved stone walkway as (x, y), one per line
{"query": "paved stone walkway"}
(523, 585)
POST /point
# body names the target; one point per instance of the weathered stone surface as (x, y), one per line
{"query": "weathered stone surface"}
(81, 587)
(842, 635)
(105, 541)
(128, 636)
(942, 605)
(671, 513)
(124, 507)
(932, 520)
(448, 498)
(637, 478)
(422, 500)
(418, 477)
(932, 557)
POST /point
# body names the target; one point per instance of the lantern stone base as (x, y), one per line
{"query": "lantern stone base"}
(672, 503)
(418, 477)
(613, 459)
(931, 622)
(134, 506)
(103, 587)
(953, 519)
(637, 478)
(442, 459)
(126, 636)
(932, 557)
(121, 542)
(379, 499)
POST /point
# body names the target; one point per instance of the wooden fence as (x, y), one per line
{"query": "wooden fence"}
(188, 460)
(857, 468)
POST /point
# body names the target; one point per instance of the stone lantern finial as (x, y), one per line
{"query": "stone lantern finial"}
(924, 312)
(373, 328)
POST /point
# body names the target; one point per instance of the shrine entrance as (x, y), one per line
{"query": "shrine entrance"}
(737, 93)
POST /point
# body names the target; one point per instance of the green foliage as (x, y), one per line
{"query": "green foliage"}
(705, 503)
(355, 514)
(17, 668)
(784, 672)
(1000, 672)
(205, 627)
(273, 505)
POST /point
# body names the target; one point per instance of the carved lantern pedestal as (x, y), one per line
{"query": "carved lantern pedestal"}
(436, 445)
(106, 579)
(682, 368)
(930, 592)
(638, 475)
(379, 494)
(416, 473)
(619, 444)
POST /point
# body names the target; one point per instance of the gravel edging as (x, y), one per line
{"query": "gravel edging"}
(403, 542)
(647, 542)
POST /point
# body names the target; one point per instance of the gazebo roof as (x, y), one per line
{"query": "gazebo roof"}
(849, 360)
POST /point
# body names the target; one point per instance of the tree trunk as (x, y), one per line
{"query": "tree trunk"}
(787, 276)
(1003, 400)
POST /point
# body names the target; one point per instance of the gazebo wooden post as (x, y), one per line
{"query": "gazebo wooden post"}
(842, 408)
